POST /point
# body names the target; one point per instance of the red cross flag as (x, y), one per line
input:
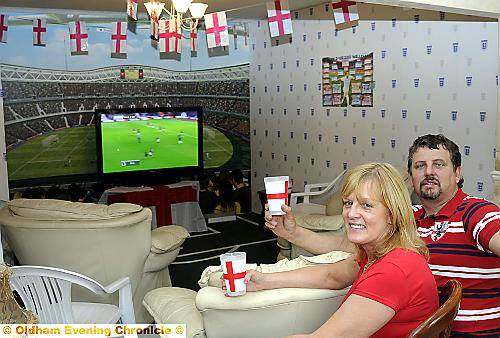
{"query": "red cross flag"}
(216, 30)
(39, 32)
(4, 27)
(132, 9)
(280, 20)
(170, 36)
(193, 37)
(78, 38)
(345, 12)
(119, 40)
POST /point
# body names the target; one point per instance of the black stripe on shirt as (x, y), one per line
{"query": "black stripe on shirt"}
(470, 212)
(476, 253)
(456, 246)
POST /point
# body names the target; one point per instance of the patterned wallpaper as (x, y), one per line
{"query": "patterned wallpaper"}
(433, 73)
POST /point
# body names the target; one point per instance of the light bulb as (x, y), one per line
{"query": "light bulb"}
(181, 6)
(197, 9)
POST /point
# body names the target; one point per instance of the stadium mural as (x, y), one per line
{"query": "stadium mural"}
(50, 96)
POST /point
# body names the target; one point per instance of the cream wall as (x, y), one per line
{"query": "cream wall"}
(275, 115)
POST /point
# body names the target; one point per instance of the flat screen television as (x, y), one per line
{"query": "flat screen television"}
(149, 140)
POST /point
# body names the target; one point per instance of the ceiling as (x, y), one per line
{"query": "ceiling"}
(241, 9)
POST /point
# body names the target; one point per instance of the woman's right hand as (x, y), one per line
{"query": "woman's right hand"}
(282, 226)
(253, 279)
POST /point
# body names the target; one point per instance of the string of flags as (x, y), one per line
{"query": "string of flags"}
(119, 40)
(39, 32)
(132, 9)
(216, 30)
(4, 27)
(345, 12)
(279, 18)
(168, 31)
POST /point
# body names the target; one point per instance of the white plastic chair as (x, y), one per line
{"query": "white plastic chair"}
(318, 192)
(47, 292)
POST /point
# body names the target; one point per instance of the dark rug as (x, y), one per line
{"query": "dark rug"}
(246, 234)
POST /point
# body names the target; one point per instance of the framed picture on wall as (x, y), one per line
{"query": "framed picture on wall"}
(347, 81)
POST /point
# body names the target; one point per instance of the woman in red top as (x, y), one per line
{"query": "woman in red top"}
(393, 290)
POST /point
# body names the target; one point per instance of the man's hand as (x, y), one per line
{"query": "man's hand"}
(282, 225)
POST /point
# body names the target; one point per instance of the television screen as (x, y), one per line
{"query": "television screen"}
(149, 139)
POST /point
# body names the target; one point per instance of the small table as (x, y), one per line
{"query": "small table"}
(174, 203)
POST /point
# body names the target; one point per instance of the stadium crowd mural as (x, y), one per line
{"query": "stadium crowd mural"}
(36, 111)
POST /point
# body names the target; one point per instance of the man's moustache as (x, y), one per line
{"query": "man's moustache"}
(429, 181)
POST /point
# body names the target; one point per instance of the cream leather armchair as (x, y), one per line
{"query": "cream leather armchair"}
(269, 313)
(103, 242)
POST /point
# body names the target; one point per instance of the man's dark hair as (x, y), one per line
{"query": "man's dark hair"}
(434, 142)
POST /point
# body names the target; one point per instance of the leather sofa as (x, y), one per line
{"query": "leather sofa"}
(102, 242)
(269, 313)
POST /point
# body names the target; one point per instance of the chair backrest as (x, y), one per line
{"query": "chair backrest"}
(102, 242)
(439, 323)
(47, 291)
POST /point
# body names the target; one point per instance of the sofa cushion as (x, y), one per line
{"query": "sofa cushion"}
(320, 222)
(49, 209)
(167, 238)
(334, 204)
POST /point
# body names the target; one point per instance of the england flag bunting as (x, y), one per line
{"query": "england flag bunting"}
(279, 18)
(345, 12)
(78, 38)
(154, 10)
(245, 33)
(119, 40)
(170, 36)
(154, 28)
(235, 37)
(39, 32)
(193, 37)
(132, 9)
(4, 27)
(216, 30)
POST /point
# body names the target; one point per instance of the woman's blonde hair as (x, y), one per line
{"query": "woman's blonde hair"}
(389, 188)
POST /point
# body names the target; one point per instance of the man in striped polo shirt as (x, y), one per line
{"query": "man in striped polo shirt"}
(462, 233)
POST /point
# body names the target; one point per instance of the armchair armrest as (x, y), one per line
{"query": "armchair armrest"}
(211, 297)
(168, 238)
(117, 285)
(316, 189)
(125, 298)
(278, 312)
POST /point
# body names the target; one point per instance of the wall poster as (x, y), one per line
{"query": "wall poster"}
(348, 81)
